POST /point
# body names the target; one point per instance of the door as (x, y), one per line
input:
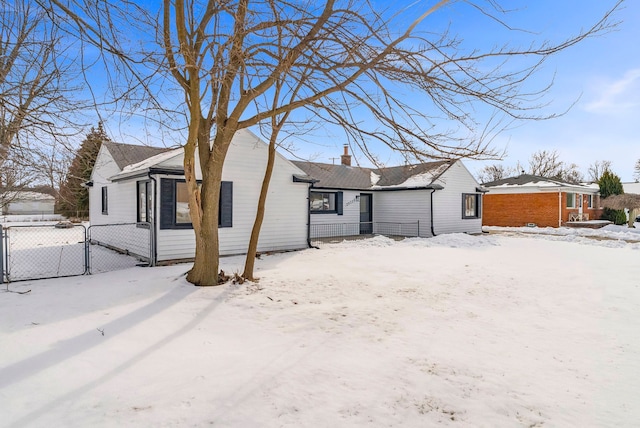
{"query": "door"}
(366, 215)
(579, 196)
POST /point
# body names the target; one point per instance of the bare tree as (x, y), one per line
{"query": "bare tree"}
(596, 170)
(495, 172)
(636, 171)
(227, 59)
(545, 164)
(548, 164)
(37, 106)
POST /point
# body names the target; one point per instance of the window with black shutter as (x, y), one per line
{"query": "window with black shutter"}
(174, 205)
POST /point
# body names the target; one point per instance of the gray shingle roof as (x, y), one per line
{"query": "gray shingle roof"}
(526, 179)
(350, 177)
(127, 154)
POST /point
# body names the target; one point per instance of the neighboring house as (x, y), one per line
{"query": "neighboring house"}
(141, 184)
(633, 187)
(420, 200)
(531, 200)
(27, 203)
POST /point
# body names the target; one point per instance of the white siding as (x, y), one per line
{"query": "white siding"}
(119, 194)
(285, 221)
(346, 224)
(404, 206)
(447, 203)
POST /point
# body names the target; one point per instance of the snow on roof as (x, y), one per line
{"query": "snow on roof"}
(530, 184)
(374, 178)
(142, 166)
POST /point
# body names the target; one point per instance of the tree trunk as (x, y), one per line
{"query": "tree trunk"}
(249, 263)
(207, 258)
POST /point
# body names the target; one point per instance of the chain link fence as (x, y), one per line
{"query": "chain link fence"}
(119, 246)
(338, 232)
(66, 249)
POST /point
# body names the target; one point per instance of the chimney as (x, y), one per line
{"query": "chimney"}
(345, 159)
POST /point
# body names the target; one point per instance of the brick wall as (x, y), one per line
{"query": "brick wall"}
(516, 210)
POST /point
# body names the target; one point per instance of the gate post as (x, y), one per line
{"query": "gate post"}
(152, 245)
(87, 256)
(1, 254)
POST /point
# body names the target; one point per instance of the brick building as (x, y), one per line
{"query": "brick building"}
(544, 202)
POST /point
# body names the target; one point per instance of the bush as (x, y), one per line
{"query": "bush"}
(616, 216)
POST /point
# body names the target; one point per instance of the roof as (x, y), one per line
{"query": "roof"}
(128, 154)
(133, 160)
(350, 177)
(534, 181)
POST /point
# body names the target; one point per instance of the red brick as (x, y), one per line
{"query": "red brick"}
(539, 208)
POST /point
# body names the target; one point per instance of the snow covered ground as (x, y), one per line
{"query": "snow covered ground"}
(500, 330)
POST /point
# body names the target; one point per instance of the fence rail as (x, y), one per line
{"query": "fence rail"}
(335, 232)
(51, 251)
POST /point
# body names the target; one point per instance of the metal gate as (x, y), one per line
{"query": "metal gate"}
(38, 252)
(53, 251)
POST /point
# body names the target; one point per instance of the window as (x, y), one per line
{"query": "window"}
(325, 202)
(589, 201)
(571, 200)
(470, 205)
(105, 207)
(182, 215)
(174, 205)
(145, 202)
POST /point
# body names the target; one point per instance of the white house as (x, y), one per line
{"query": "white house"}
(145, 186)
(417, 200)
(27, 202)
(152, 189)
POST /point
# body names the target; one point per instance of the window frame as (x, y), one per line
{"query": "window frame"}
(590, 198)
(104, 200)
(477, 197)
(338, 198)
(573, 200)
(323, 211)
(146, 184)
(225, 206)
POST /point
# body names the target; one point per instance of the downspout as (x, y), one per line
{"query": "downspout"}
(1, 254)
(154, 247)
(433, 233)
(309, 218)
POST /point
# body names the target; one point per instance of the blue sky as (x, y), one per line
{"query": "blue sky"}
(603, 74)
(600, 75)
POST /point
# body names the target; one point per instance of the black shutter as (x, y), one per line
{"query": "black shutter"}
(226, 204)
(479, 205)
(167, 203)
(339, 199)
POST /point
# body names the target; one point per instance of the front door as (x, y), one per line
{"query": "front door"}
(366, 215)
(579, 197)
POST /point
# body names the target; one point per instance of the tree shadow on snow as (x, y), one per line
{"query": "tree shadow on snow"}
(69, 348)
